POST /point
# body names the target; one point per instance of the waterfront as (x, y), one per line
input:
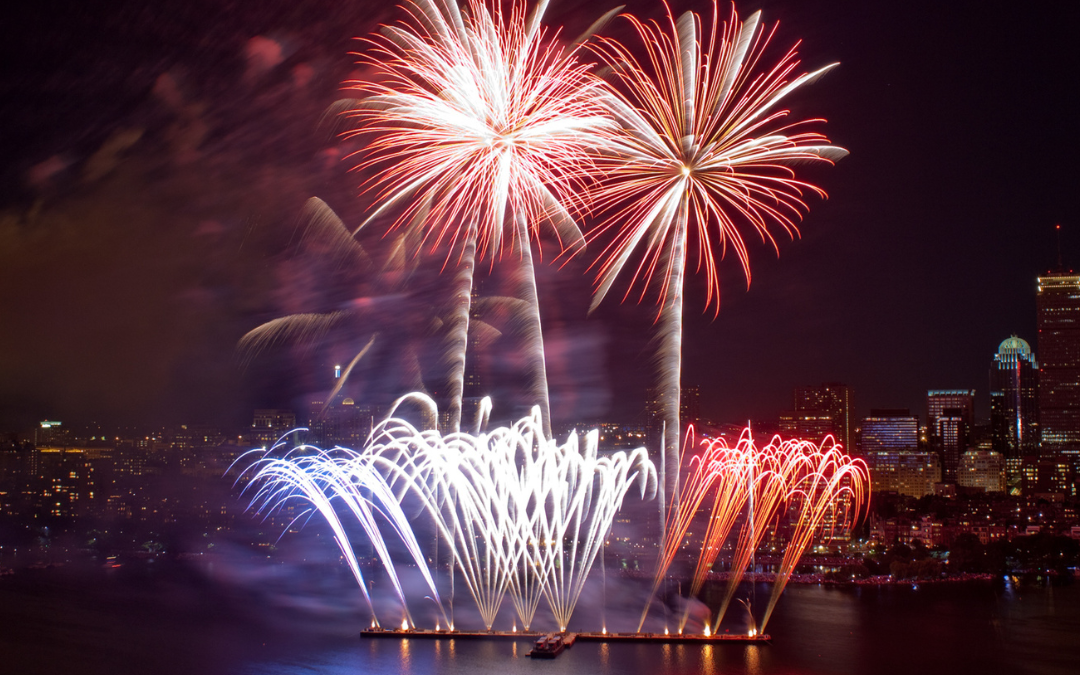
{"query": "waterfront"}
(177, 620)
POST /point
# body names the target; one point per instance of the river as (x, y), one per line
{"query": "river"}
(178, 621)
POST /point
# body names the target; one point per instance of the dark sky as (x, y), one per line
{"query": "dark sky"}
(157, 156)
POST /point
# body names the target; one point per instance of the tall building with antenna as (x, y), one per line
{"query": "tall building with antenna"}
(1058, 322)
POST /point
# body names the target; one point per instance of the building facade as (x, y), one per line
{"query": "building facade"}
(270, 424)
(1051, 478)
(890, 430)
(1058, 321)
(808, 425)
(1014, 406)
(831, 399)
(950, 417)
(656, 403)
(908, 473)
(889, 440)
(982, 469)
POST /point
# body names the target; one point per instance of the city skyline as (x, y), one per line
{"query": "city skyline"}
(817, 409)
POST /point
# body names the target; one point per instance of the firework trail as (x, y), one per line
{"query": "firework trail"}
(585, 492)
(385, 321)
(459, 329)
(779, 466)
(365, 318)
(719, 472)
(324, 227)
(521, 513)
(806, 481)
(703, 150)
(477, 116)
(347, 478)
(832, 485)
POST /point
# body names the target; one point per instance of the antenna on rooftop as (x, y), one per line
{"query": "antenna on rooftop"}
(1057, 229)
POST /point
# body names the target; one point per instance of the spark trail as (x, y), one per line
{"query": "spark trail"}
(320, 478)
(522, 514)
(479, 125)
(703, 150)
(806, 481)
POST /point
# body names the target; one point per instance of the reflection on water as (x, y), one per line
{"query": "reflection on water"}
(182, 626)
(707, 660)
(815, 631)
(753, 659)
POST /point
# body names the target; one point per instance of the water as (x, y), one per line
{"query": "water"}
(178, 621)
(943, 629)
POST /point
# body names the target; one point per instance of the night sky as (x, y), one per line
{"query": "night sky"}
(157, 156)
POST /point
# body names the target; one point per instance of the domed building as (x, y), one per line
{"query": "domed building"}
(1014, 420)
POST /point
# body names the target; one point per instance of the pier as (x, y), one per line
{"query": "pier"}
(662, 638)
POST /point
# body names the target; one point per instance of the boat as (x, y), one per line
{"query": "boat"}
(548, 647)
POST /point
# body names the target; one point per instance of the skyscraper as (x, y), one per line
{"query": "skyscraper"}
(836, 401)
(1014, 423)
(1058, 319)
(690, 404)
(950, 416)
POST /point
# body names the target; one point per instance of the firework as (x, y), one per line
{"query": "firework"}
(810, 483)
(722, 473)
(522, 514)
(385, 321)
(704, 149)
(833, 488)
(320, 479)
(479, 125)
(371, 320)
